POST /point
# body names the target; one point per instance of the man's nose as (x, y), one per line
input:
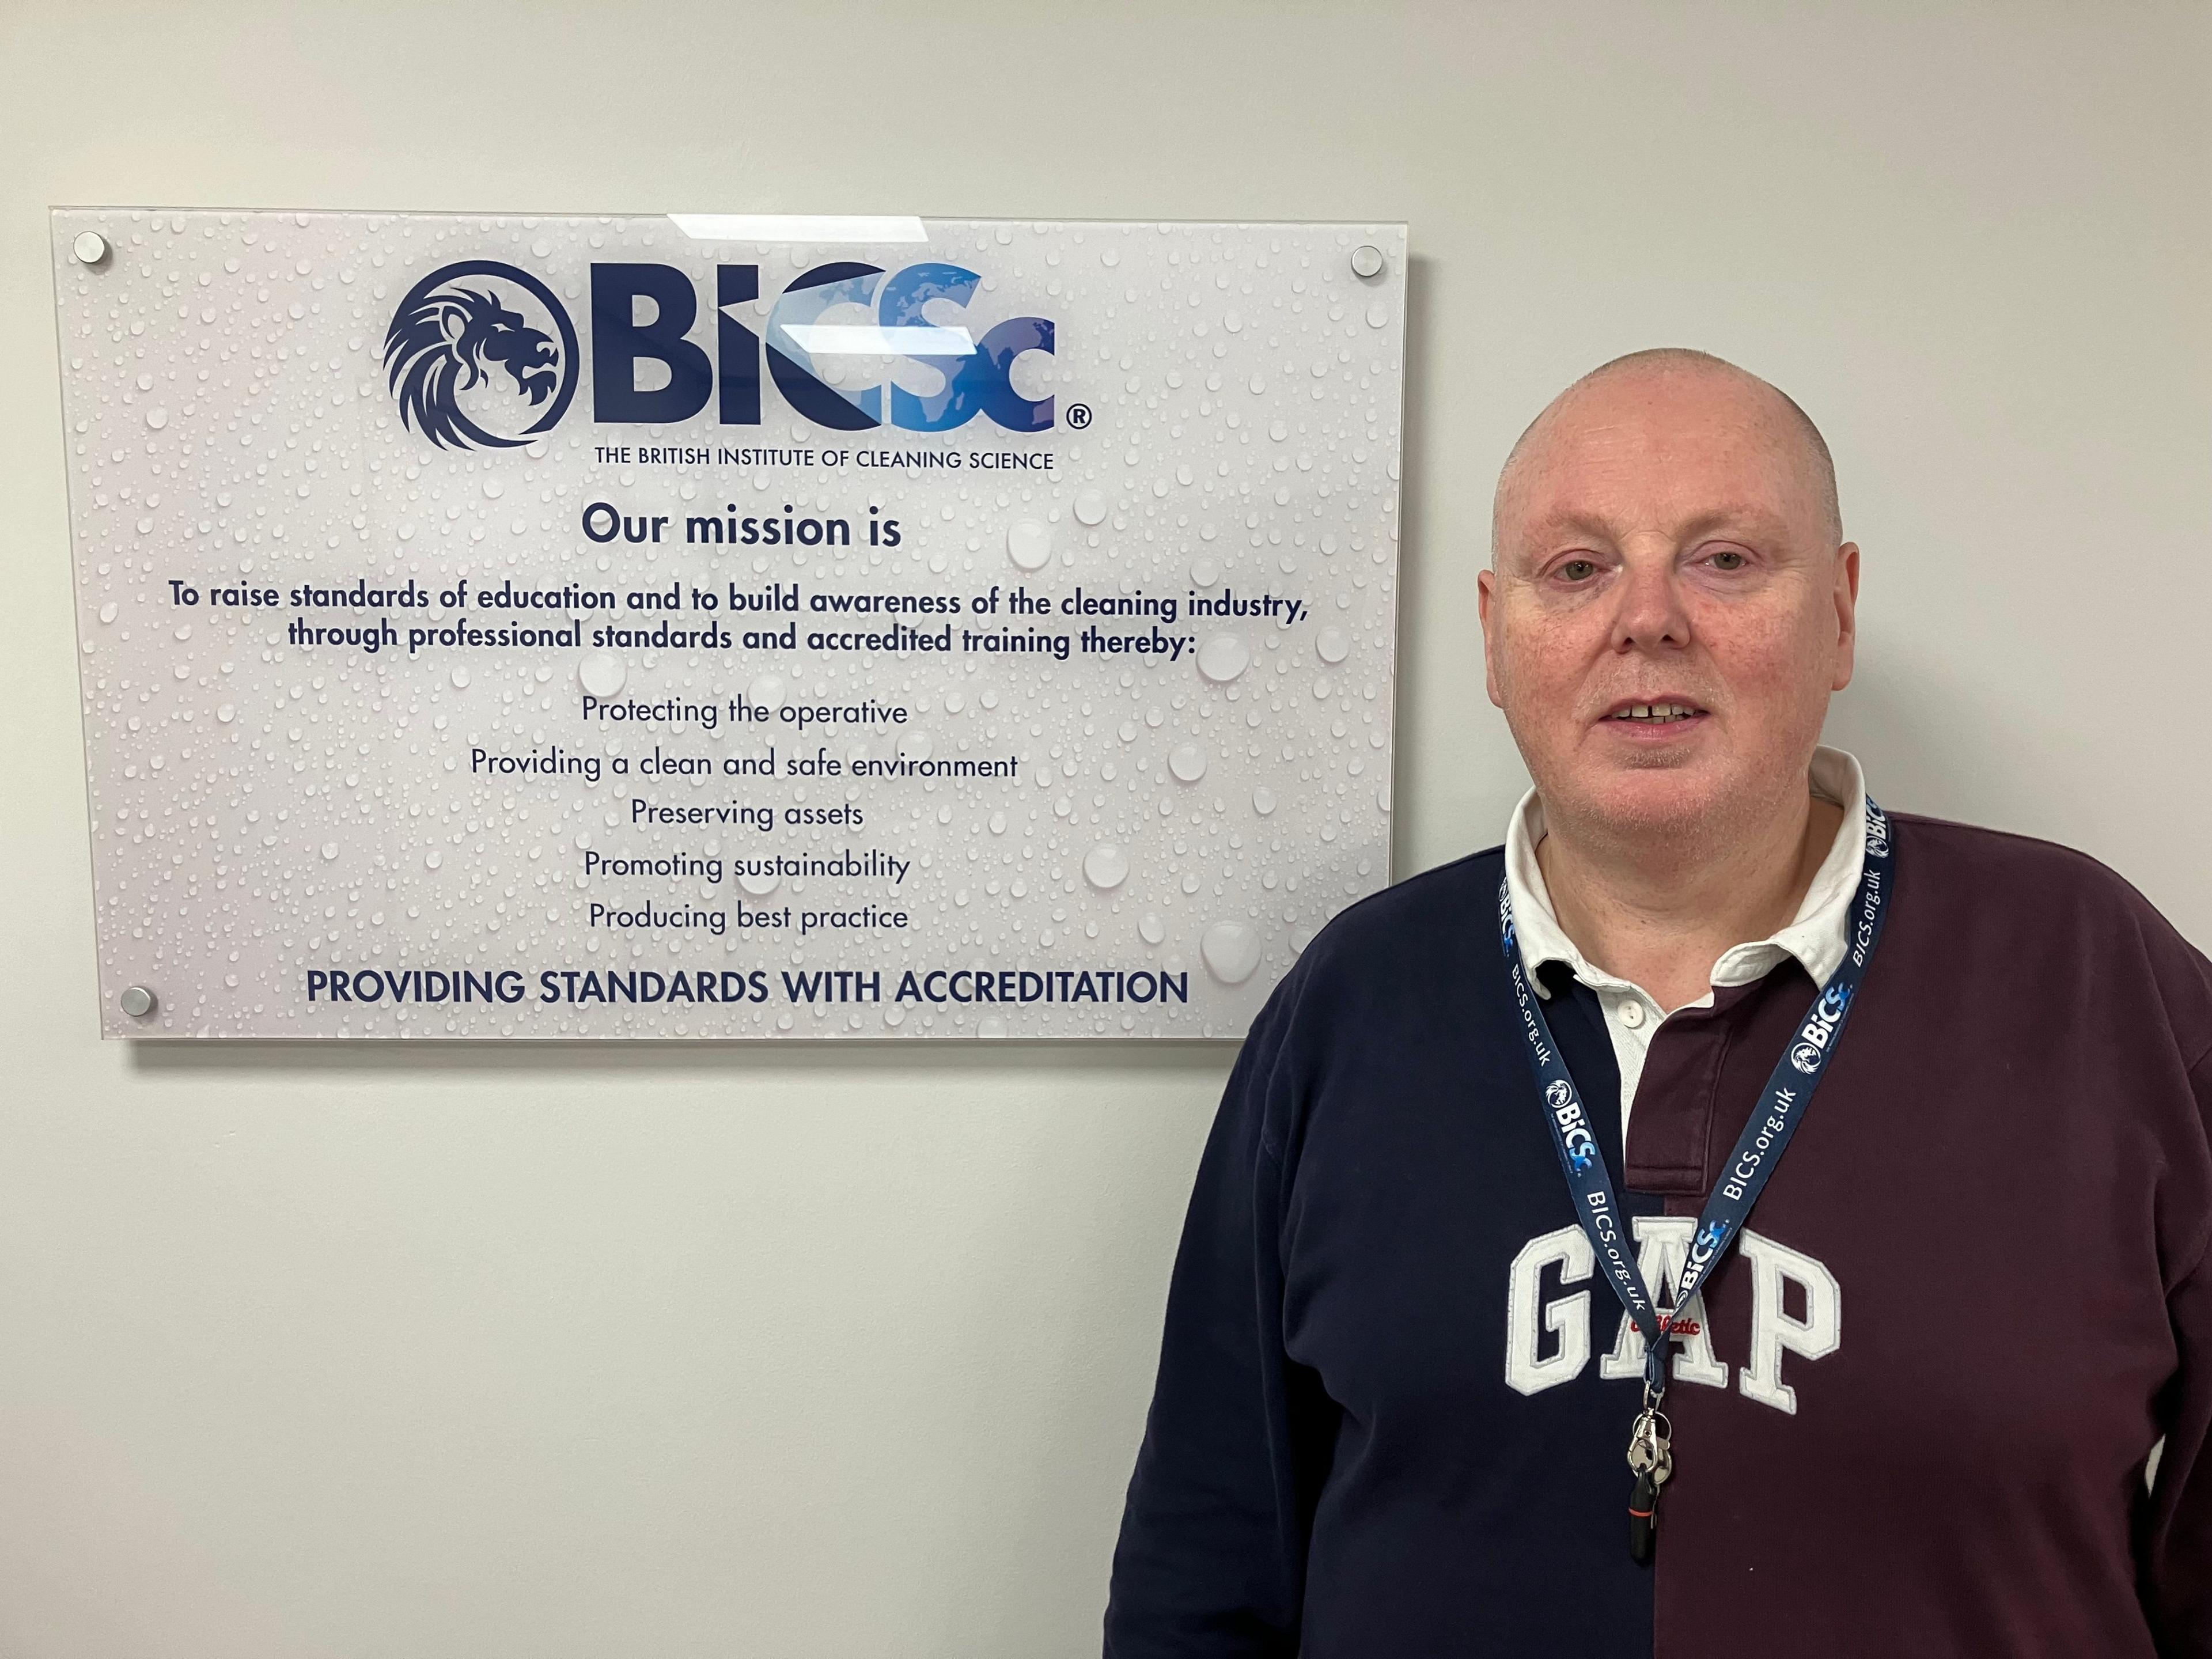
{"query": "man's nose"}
(1649, 613)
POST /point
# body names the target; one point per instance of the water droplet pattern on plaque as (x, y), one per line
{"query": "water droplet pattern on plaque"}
(264, 810)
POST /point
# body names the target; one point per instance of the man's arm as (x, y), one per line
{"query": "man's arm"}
(2177, 1555)
(1212, 1559)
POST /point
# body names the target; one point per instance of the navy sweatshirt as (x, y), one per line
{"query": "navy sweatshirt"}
(1916, 1410)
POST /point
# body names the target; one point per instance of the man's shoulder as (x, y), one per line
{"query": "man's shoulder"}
(2016, 904)
(1413, 928)
(1976, 863)
(1384, 969)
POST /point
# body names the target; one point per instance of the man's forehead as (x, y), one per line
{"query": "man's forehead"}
(1687, 449)
(1682, 514)
(1723, 416)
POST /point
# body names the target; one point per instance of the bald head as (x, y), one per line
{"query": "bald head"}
(1663, 385)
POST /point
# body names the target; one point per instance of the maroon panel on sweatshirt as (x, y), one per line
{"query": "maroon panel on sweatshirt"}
(1957, 1322)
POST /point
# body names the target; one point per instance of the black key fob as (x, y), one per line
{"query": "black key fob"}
(1643, 1518)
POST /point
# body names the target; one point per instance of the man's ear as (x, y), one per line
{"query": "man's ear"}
(1486, 588)
(1847, 607)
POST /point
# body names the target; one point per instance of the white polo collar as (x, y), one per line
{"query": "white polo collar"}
(1818, 937)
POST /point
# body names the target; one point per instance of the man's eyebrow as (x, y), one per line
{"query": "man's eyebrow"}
(1760, 523)
(1565, 523)
(1746, 518)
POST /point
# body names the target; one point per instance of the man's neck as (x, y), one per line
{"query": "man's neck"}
(1661, 913)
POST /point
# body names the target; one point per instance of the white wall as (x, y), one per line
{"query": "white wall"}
(506, 1350)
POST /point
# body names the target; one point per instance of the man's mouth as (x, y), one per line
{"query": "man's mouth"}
(1655, 713)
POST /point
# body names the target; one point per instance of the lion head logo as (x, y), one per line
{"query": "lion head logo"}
(462, 330)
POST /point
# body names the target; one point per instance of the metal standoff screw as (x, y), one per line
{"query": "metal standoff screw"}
(1367, 260)
(90, 247)
(137, 1002)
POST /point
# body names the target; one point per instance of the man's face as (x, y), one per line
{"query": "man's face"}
(1669, 610)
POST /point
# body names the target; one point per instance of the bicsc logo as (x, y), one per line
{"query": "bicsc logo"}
(1877, 831)
(479, 347)
(1817, 1032)
(1574, 1128)
(475, 350)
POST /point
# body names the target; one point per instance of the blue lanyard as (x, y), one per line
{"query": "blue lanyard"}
(1757, 1149)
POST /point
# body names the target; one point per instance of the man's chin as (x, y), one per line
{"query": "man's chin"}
(1652, 797)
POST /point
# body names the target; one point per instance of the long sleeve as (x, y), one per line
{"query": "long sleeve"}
(2177, 1557)
(2177, 1561)
(1211, 1561)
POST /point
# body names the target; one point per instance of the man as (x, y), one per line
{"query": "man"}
(1946, 1386)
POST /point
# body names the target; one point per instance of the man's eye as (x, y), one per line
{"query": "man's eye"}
(1729, 559)
(1578, 571)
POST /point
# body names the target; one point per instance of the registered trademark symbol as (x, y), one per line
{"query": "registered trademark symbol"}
(1078, 415)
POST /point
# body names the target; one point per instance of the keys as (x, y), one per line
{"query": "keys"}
(1650, 1450)
(1651, 1459)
